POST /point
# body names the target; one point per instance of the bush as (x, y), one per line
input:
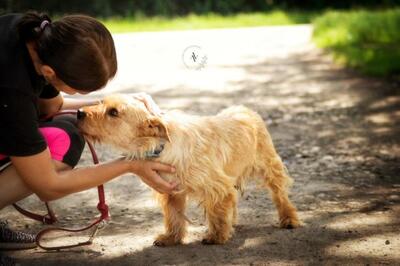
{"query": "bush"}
(366, 40)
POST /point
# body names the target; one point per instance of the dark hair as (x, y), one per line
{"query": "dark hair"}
(79, 48)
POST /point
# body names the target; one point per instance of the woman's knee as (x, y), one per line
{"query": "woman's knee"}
(64, 140)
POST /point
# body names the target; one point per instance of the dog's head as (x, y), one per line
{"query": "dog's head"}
(124, 123)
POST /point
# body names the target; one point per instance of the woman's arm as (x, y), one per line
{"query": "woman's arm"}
(73, 104)
(141, 96)
(53, 105)
(38, 173)
(50, 106)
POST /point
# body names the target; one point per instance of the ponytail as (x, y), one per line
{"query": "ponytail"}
(29, 27)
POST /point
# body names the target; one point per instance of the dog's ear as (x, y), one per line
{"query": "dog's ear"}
(155, 127)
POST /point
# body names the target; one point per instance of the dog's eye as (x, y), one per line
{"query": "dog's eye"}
(112, 112)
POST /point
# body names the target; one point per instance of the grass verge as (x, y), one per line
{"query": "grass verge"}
(209, 21)
(366, 40)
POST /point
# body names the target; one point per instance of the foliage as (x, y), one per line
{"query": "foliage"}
(367, 40)
(193, 21)
(130, 8)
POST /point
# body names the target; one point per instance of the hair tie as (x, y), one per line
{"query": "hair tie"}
(44, 24)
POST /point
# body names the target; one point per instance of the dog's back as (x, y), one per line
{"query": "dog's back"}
(226, 144)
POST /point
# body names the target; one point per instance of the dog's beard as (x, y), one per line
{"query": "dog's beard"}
(149, 153)
(88, 136)
(91, 138)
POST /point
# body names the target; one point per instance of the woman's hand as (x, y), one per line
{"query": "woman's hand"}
(148, 172)
(149, 103)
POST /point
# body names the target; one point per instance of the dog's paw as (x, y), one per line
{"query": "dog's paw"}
(165, 241)
(213, 240)
(289, 223)
(158, 243)
(208, 241)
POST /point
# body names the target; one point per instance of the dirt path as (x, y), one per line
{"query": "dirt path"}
(338, 133)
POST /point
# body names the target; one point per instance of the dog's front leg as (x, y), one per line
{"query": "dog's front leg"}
(173, 207)
(221, 216)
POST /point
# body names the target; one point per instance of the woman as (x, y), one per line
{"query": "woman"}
(38, 59)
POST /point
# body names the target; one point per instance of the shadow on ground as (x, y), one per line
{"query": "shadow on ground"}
(337, 131)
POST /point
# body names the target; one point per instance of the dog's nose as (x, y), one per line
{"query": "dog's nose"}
(80, 114)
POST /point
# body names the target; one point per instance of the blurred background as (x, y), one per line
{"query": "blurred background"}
(362, 34)
(107, 8)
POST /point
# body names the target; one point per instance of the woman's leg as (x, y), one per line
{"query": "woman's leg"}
(13, 189)
(65, 144)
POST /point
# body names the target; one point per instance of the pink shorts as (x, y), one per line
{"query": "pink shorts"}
(63, 140)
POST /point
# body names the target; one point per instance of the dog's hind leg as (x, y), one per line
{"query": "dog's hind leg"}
(220, 216)
(175, 223)
(277, 180)
(270, 167)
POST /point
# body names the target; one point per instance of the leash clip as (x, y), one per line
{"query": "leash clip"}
(100, 226)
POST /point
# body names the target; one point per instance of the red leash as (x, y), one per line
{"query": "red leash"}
(50, 217)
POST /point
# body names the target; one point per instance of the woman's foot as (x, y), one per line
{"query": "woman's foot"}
(10, 239)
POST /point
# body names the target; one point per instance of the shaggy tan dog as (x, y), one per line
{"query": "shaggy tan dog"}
(213, 157)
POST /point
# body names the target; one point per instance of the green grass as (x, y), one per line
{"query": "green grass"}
(365, 40)
(140, 23)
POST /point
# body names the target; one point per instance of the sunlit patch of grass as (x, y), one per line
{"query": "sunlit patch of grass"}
(208, 21)
(366, 40)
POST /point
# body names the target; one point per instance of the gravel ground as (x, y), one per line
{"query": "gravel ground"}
(337, 131)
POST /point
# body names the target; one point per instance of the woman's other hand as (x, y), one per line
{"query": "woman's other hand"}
(149, 103)
(148, 172)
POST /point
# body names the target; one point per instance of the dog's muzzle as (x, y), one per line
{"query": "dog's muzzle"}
(80, 114)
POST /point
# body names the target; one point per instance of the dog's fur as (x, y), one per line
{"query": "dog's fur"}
(213, 157)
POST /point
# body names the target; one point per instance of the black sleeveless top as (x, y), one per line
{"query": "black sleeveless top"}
(20, 89)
